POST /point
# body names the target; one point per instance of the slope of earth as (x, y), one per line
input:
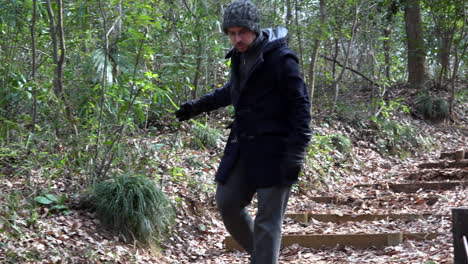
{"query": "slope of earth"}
(34, 234)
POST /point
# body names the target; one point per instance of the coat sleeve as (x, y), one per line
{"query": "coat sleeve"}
(219, 97)
(298, 109)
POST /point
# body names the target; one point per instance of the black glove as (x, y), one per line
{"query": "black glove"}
(186, 111)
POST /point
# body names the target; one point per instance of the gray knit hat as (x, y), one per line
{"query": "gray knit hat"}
(241, 13)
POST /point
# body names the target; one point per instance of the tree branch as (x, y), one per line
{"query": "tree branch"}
(350, 69)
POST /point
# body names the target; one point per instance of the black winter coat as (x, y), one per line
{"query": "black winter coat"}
(271, 128)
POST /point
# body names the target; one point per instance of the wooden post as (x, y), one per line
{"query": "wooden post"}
(460, 229)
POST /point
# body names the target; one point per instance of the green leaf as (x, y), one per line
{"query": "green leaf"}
(51, 197)
(43, 200)
(63, 198)
(59, 207)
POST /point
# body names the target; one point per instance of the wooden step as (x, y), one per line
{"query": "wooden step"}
(350, 200)
(325, 199)
(438, 175)
(353, 240)
(445, 164)
(455, 155)
(414, 187)
(335, 218)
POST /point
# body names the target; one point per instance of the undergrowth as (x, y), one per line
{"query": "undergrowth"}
(134, 207)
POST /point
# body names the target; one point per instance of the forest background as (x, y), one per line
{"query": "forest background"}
(84, 84)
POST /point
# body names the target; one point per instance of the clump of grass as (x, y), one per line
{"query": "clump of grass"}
(205, 137)
(432, 108)
(342, 143)
(135, 207)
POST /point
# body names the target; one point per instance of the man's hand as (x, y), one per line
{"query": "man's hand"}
(186, 111)
(291, 165)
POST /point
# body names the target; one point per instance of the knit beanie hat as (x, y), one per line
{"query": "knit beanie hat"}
(241, 13)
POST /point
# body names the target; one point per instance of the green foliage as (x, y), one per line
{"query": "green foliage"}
(342, 143)
(395, 138)
(388, 109)
(135, 207)
(390, 136)
(351, 114)
(329, 143)
(55, 203)
(432, 108)
(205, 137)
(325, 154)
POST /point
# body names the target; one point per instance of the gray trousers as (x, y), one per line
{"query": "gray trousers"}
(260, 237)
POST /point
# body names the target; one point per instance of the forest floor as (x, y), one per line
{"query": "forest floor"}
(205, 245)
(30, 233)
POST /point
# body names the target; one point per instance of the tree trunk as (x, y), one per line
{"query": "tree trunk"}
(198, 67)
(445, 51)
(33, 66)
(53, 36)
(288, 14)
(315, 52)
(61, 58)
(386, 47)
(299, 35)
(459, 51)
(418, 72)
(391, 10)
(335, 57)
(345, 63)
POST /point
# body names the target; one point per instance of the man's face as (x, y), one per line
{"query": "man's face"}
(241, 38)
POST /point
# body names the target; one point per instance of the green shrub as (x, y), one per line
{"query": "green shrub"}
(342, 143)
(432, 108)
(338, 142)
(205, 137)
(395, 138)
(135, 207)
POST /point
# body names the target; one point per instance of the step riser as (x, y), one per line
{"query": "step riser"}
(445, 165)
(305, 218)
(414, 187)
(329, 241)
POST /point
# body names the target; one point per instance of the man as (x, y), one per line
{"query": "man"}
(269, 135)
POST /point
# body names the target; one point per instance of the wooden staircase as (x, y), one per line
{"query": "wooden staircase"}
(415, 184)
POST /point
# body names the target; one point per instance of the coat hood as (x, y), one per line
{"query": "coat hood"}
(275, 33)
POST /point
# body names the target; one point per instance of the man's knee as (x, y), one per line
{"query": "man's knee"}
(227, 204)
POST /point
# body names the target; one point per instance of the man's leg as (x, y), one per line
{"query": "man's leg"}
(231, 198)
(272, 204)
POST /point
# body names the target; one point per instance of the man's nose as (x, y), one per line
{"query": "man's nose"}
(237, 38)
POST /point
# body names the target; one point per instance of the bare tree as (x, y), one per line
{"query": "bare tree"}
(58, 45)
(299, 34)
(347, 51)
(315, 52)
